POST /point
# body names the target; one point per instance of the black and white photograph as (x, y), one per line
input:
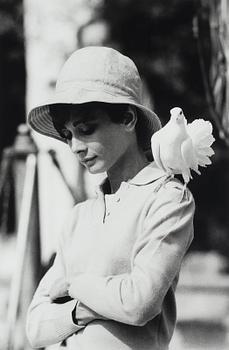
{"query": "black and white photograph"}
(114, 175)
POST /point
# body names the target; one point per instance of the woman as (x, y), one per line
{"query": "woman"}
(113, 280)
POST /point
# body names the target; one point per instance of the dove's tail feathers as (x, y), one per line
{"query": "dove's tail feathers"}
(200, 126)
(204, 160)
(200, 132)
(206, 141)
(207, 151)
(197, 171)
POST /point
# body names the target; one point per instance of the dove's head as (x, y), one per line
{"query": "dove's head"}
(177, 115)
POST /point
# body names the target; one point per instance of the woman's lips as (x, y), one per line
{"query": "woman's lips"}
(88, 161)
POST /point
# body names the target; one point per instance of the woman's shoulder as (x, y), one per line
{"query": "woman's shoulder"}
(171, 191)
(176, 192)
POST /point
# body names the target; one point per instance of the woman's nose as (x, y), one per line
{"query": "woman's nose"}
(77, 146)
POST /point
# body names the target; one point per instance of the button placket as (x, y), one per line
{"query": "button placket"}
(112, 200)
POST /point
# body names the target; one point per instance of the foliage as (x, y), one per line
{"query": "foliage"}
(12, 70)
(160, 40)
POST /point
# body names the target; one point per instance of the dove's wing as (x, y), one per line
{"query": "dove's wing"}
(155, 146)
(188, 155)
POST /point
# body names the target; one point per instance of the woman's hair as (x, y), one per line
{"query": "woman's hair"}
(60, 114)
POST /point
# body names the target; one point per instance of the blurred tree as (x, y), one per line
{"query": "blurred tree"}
(12, 95)
(12, 70)
(160, 40)
(212, 24)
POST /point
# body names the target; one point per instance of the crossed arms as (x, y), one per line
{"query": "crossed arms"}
(133, 298)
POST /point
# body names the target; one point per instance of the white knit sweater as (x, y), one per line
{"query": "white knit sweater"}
(121, 254)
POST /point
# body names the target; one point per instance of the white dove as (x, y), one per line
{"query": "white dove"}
(179, 147)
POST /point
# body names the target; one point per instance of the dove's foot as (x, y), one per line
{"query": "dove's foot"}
(164, 182)
(184, 193)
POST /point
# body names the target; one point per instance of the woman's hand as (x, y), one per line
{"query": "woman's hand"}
(84, 315)
(59, 290)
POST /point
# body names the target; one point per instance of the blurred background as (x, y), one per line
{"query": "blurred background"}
(182, 51)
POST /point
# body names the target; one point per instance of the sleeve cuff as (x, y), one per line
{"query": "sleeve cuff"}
(68, 319)
(74, 318)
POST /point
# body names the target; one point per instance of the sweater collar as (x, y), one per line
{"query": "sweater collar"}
(147, 175)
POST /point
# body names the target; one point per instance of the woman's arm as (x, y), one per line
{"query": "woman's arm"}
(49, 322)
(137, 297)
(52, 316)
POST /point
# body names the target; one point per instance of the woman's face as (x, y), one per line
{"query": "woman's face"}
(98, 143)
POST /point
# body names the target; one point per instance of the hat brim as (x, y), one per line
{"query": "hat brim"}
(40, 119)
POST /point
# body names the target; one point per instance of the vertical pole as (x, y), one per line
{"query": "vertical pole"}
(23, 147)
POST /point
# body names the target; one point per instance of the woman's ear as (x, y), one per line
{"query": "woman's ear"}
(130, 118)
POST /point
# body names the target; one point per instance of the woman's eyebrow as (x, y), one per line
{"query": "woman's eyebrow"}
(85, 117)
(83, 121)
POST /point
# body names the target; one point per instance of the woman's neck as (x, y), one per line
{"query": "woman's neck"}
(127, 167)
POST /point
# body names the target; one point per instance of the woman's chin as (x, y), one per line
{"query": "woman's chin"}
(96, 169)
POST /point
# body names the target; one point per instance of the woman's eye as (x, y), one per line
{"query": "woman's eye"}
(66, 134)
(86, 129)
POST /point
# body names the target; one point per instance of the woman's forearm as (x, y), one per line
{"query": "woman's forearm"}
(50, 323)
